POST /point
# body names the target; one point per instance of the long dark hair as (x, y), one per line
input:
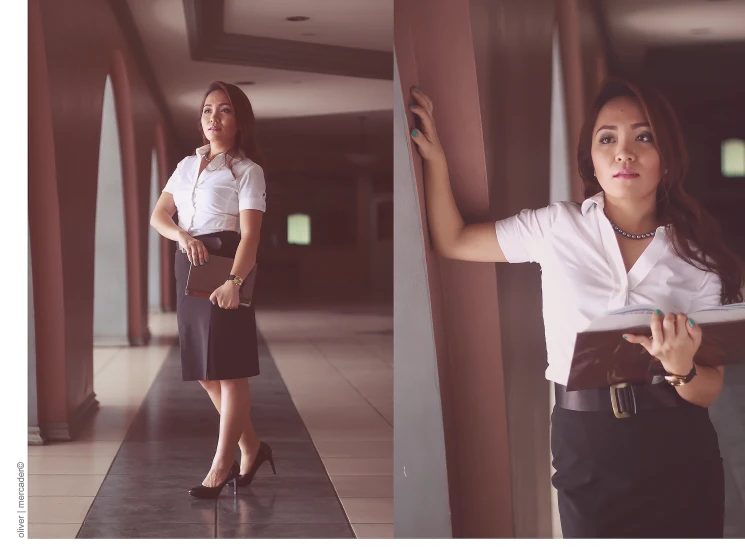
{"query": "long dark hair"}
(245, 138)
(696, 235)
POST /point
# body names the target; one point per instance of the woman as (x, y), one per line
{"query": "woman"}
(220, 197)
(638, 238)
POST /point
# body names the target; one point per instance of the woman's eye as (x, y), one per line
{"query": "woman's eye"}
(605, 139)
(226, 111)
(206, 111)
(646, 137)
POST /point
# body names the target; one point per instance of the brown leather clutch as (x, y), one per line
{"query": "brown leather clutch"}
(205, 279)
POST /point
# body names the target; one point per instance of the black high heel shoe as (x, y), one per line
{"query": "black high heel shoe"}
(206, 492)
(264, 454)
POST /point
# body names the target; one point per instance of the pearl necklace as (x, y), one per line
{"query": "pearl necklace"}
(628, 235)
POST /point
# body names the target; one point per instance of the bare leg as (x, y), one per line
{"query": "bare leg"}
(249, 441)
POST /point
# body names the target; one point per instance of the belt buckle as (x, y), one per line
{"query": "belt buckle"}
(621, 414)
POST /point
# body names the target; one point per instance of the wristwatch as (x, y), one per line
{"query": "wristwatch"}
(677, 380)
(235, 279)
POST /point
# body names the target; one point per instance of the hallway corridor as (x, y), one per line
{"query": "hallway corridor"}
(128, 473)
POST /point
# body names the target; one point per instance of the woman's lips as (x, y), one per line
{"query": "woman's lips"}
(626, 173)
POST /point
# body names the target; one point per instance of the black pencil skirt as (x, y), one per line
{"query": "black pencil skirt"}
(656, 474)
(215, 343)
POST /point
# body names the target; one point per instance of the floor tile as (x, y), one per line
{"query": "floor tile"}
(64, 485)
(76, 448)
(58, 509)
(354, 448)
(68, 465)
(269, 509)
(148, 530)
(369, 510)
(363, 486)
(373, 531)
(286, 531)
(52, 531)
(358, 466)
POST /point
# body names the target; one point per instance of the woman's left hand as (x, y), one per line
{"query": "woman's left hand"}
(674, 342)
(226, 296)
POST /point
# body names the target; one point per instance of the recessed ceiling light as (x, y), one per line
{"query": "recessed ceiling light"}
(245, 83)
(298, 18)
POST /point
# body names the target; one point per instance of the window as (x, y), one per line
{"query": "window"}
(298, 229)
(733, 158)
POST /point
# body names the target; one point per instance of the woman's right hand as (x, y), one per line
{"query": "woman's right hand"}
(426, 137)
(195, 249)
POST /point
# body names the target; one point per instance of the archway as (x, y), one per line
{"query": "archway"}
(154, 253)
(110, 311)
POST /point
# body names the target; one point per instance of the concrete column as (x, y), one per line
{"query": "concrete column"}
(34, 433)
(420, 477)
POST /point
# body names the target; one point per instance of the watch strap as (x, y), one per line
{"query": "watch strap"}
(678, 380)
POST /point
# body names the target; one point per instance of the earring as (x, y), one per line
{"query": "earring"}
(594, 174)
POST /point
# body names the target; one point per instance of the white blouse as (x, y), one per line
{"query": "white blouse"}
(583, 275)
(211, 201)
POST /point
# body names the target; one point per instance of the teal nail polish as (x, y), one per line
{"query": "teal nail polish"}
(207, 260)
(412, 106)
(416, 88)
(415, 133)
(691, 322)
(201, 262)
(657, 312)
(625, 337)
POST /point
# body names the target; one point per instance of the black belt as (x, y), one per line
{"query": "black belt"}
(623, 399)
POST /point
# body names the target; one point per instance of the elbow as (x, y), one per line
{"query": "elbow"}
(445, 250)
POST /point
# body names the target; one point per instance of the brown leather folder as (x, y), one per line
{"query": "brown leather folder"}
(604, 358)
(205, 279)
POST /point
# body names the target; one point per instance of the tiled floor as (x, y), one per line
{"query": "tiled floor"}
(337, 365)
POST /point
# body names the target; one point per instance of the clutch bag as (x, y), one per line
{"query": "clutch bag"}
(205, 279)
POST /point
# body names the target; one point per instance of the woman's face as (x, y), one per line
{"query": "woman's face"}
(624, 154)
(218, 119)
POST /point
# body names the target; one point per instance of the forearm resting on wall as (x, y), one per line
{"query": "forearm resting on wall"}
(445, 221)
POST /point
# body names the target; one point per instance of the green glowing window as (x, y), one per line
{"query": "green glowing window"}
(733, 158)
(298, 229)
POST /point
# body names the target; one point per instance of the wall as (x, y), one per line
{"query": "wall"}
(513, 44)
(73, 46)
(420, 487)
(464, 303)
(343, 260)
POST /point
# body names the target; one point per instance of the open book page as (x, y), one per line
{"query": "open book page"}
(635, 316)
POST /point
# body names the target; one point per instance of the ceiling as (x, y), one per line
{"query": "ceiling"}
(351, 23)
(277, 93)
(633, 26)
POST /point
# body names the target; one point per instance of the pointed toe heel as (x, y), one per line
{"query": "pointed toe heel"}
(213, 492)
(264, 454)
